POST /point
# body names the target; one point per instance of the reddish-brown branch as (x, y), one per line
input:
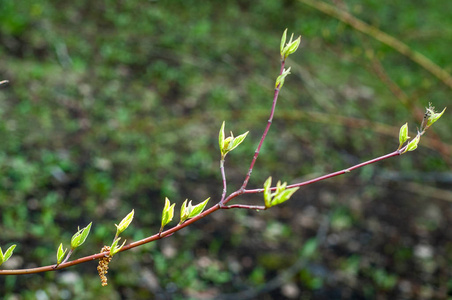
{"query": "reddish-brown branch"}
(223, 177)
(202, 215)
(267, 128)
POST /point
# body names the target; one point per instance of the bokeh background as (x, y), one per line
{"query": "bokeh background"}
(114, 105)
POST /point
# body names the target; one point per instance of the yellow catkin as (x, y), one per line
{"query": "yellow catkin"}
(102, 268)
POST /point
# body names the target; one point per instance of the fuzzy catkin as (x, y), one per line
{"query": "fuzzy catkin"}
(102, 268)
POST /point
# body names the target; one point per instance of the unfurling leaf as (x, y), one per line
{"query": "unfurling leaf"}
(114, 248)
(403, 135)
(168, 213)
(124, 223)
(283, 196)
(5, 256)
(280, 195)
(289, 48)
(60, 254)
(267, 192)
(221, 137)
(197, 209)
(280, 187)
(80, 236)
(412, 145)
(237, 141)
(434, 117)
(230, 143)
(283, 41)
(189, 211)
(184, 211)
(293, 46)
(281, 78)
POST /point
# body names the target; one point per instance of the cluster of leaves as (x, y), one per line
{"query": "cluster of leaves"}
(230, 143)
(430, 117)
(280, 195)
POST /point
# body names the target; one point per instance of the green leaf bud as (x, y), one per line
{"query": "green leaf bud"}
(281, 78)
(60, 254)
(412, 145)
(434, 117)
(283, 41)
(184, 211)
(114, 248)
(230, 143)
(280, 195)
(124, 223)
(221, 137)
(283, 196)
(168, 213)
(267, 192)
(197, 209)
(403, 135)
(293, 46)
(289, 48)
(80, 236)
(238, 140)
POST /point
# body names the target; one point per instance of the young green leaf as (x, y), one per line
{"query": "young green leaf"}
(280, 195)
(80, 236)
(221, 138)
(267, 192)
(293, 46)
(114, 248)
(238, 140)
(281, 78)
(168, 213)
(189, 211)
(229, 143)
(290, 47)
(403, 135)
(412, 145)
(197, 209)
(124, 223)
(5, 256)
(184, 211)
(60, 254)
(283, 41)
(434, 117)
(283, 196)
(280, 187)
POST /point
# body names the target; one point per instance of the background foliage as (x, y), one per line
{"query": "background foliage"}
(113, 105)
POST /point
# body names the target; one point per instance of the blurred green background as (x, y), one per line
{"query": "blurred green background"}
(114, 105)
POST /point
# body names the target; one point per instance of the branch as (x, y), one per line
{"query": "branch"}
(267, 128)
(176, 228)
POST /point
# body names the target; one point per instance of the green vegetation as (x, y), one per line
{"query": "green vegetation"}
(113, 106)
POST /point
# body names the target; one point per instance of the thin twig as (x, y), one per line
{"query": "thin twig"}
(223, 176)
(348, 170)
(244, 206)
(267, 128)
